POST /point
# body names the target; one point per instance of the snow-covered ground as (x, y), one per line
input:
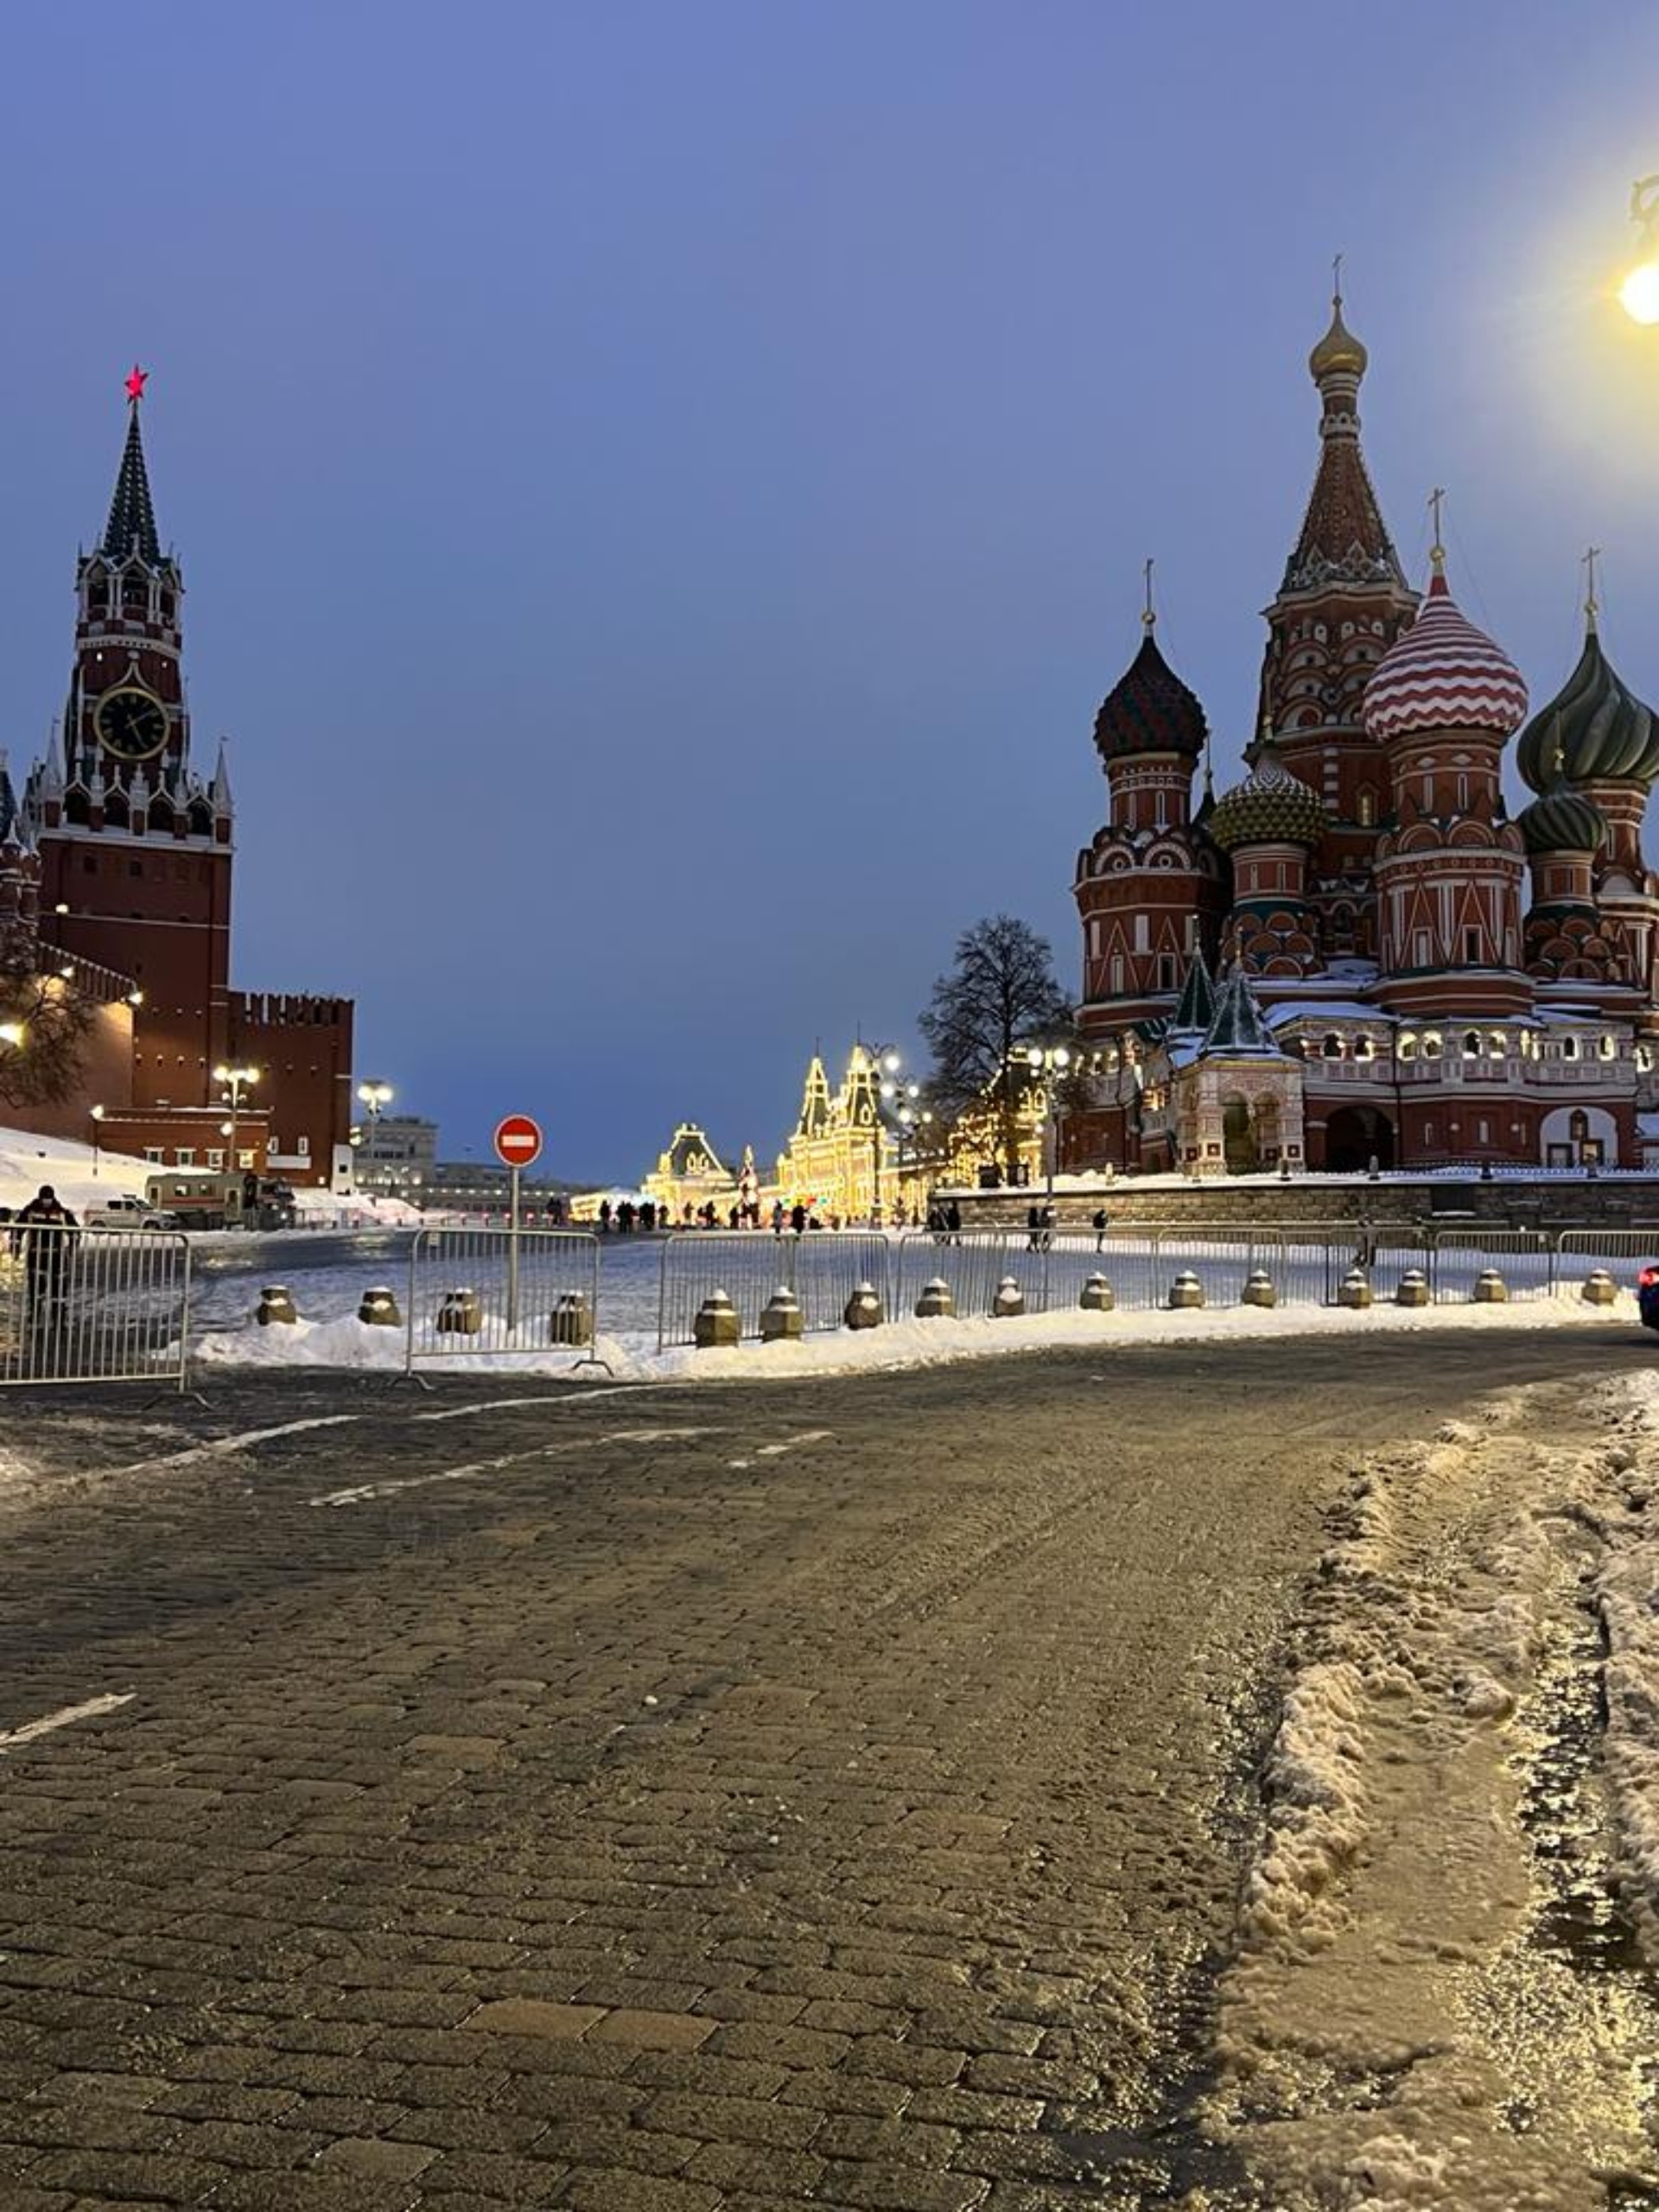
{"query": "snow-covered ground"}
(1436, 1998)
(329, 1334)
(79, 1179)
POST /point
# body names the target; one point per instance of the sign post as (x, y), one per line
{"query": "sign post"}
(517, 1146)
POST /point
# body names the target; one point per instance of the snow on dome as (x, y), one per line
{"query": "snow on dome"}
(1271, 806)
(1443, 674)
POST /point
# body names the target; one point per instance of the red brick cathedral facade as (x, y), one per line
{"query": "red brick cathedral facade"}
(1414, 977)
(134, 851)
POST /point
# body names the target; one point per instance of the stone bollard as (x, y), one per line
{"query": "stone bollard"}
(276, 1303)
(1599, 1288)
(1098, 1296)
(1356, 1293)
(379, 1309)
(863, 1309)
(1413, 1288)
(1491, 1289)
(937, 1301)
(1010, 1301)
(1259, 1290)
(1186, 1292)
(571, 1321)
(460, 1315)
(718, 1326)
(781, 1318)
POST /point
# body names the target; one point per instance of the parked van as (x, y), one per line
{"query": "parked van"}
(194, 1201)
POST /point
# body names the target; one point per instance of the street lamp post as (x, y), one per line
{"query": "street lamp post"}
(1048, 1062)
(234, 1082)
(96, 1114)
(899, 1100)
(376, 1095)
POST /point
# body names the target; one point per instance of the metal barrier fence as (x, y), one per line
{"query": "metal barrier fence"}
(478, 1291)
(823, 1268)
(94, 1305)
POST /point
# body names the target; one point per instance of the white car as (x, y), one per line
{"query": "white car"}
(123, 1212)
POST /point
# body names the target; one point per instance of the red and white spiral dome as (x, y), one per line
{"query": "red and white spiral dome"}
(1443, 674)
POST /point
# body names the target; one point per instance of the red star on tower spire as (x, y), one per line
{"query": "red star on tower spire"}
(135, 383)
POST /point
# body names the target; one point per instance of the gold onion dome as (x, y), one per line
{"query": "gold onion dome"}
(1270, 807)
(1594, 725)
(1563, 821)
(1338, 352)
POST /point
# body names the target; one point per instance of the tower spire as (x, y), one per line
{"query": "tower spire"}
(1437, 550)
(1148, 611)
(131, 525)
(1591, 603)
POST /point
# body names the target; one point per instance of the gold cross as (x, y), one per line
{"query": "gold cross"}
(1147, 617)
(1336, 281)
(1591, 556)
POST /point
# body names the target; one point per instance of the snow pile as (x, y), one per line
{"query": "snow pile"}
(347, 1342)
(28, 1161)
(1315, 1785)
(908, 1342)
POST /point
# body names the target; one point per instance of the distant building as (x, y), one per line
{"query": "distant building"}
(484, 1186)
(394, 1156)
(690, 1173)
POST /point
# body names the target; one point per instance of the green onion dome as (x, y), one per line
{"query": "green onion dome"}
(1149, 710)
(1563, 821)
(1270, 807)
(1595, 726)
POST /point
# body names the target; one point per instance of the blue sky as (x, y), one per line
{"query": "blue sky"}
(662, 489)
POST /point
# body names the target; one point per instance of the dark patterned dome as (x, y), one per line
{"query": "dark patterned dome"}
(1563, 821)
(1270, 807)
(1595, 725)
(1149, 710)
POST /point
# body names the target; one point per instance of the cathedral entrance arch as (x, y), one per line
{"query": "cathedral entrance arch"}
(1238, 1136)
(1356, 1135)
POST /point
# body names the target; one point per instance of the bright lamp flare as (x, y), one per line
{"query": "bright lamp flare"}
(1639, 292)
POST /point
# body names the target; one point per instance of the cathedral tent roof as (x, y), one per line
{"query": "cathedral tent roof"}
(1197, 1004)
(1443, 673)
(1238, 1031)
(1342, 537)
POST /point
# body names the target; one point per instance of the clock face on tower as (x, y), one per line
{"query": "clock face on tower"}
(130, 723)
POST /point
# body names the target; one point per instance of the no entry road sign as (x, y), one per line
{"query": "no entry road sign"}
(518, 1141)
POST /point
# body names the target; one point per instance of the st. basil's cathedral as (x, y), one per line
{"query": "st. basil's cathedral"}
(1357, 956)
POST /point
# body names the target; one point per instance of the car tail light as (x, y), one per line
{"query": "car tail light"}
(1647, 1279)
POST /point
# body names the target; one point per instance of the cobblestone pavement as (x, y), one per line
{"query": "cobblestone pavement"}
(651, 1801)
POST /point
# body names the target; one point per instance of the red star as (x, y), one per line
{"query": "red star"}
(136, 382)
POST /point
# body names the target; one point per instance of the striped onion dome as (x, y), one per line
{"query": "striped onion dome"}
(1443, 674)
(1594, 725)
(1563, 821)
(1270, 807)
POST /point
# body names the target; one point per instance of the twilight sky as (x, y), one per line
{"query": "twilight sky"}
(663, 488)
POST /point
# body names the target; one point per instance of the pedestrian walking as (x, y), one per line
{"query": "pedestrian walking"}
(953, 1221)
(46, 1233)
(1100, 1228)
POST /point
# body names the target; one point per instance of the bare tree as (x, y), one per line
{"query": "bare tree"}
(1001, 993)
(40, 1064)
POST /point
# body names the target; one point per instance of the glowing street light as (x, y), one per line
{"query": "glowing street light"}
(1639, 292)
(1046, 1061)
(95, 1114)
(235, 1081)
(12, 1033)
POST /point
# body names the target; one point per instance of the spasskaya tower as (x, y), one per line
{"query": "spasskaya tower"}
(136, 853)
